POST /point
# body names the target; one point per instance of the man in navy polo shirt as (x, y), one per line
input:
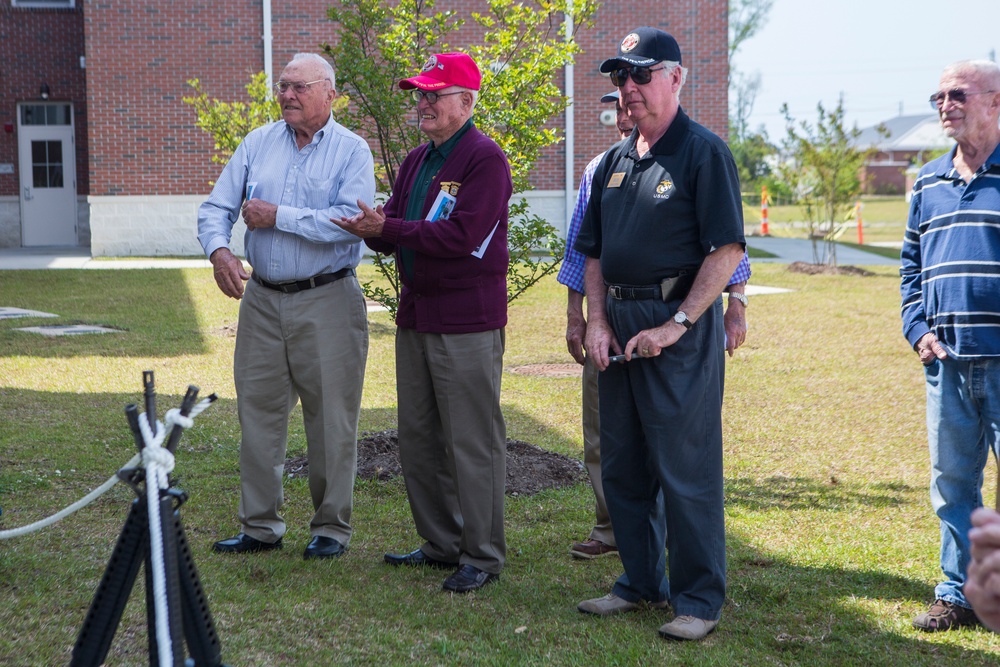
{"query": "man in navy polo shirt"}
(663, 234)
(951, 315)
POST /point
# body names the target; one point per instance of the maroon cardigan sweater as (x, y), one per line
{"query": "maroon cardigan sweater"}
(451, 291)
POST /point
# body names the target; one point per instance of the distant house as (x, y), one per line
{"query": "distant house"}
(912, 141)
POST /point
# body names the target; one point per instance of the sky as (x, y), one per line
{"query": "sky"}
(885, 56)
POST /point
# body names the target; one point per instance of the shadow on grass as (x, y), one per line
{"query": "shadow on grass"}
(797, 493)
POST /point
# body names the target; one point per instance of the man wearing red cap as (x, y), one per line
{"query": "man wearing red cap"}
(663, 234)
(446, 223)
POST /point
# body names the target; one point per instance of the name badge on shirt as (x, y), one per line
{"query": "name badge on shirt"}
(616, 179)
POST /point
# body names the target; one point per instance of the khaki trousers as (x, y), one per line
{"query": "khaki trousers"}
(592, 453)
(453, 443)
(310, 346)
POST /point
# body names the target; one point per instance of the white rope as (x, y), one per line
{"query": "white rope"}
(65, 512)
(158, 462)
(179, 419)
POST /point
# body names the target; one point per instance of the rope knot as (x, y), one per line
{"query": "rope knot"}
(160, 456)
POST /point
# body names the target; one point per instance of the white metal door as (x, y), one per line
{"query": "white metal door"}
(47, 165)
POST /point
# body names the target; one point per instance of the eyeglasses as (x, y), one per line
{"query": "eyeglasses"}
(641, 75)
(431, 98)
(299, 87)
(958, 96)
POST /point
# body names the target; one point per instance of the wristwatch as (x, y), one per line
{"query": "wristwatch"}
(681, 318)
(742, 298)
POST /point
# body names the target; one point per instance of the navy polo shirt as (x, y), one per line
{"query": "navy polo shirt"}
(651, 217)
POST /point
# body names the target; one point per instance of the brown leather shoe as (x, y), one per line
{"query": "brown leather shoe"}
(244, 544)
(945, 616)
(591, 549)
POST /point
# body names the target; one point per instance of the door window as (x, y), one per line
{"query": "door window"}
(46, 164)
(45, 114)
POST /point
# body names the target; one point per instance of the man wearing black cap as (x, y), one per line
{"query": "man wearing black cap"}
(663, 234)
(446, 223)
(601, 540)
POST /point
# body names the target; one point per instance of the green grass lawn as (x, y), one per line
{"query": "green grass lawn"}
(831, 539)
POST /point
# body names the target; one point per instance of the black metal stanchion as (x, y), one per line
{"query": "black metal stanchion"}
(188, 615)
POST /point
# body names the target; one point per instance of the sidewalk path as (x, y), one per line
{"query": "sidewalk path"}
(800, 250)
(785, 250)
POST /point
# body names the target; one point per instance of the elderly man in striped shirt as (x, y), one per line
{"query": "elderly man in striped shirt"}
(951, 315)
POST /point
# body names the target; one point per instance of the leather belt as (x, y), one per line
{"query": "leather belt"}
(293, 286)
(634, 292)
(669, 289)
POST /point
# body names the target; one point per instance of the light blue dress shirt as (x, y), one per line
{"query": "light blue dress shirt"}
(323, 180)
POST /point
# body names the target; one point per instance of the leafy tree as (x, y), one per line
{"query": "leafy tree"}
(746, 18)
(751, 148)
(821, 166)
(522, 54)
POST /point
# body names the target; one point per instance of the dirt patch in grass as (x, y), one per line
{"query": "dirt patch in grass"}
(530, 469)
(826, 270)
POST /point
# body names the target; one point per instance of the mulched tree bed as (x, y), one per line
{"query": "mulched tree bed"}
(530, 469)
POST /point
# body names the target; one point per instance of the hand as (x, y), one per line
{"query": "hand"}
(650, 342)
(229, 273)
(259, 214)
(982, 586)
(367, 224)
(576, 329)
(735, 321)
(928, 348)
(600, 338)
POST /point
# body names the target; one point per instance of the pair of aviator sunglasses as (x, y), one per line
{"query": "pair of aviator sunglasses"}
(958, 96)
(641, 75)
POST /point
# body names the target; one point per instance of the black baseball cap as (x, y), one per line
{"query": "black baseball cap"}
(644, 47)
(611, 97)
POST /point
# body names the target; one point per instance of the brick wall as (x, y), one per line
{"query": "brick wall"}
(40, 46)
(140, 54)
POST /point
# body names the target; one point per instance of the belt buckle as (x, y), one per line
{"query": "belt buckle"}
(615, 291)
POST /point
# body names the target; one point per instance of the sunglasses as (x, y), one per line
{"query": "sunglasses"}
(641, 75)
(431, 98)
(958, 96)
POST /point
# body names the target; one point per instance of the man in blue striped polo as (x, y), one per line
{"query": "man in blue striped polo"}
(951, 315)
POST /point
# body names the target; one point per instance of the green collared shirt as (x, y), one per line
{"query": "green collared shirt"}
(434, 159)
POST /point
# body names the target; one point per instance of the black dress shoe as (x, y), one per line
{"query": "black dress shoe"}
(244, 544)
(468, 578)
(324, 547)
(418, 557)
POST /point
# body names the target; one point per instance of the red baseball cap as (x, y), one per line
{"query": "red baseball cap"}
(446, 69)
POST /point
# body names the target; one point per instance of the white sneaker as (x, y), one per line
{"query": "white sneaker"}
(687, 628)
(611, 604)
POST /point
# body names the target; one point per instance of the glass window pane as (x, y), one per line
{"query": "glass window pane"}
(55, 152)
(38, 152)
(55, 176)
(62, 115)
(40, 177)
(32, 114)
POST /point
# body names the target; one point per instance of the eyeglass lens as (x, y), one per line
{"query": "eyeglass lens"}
(417, 95)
